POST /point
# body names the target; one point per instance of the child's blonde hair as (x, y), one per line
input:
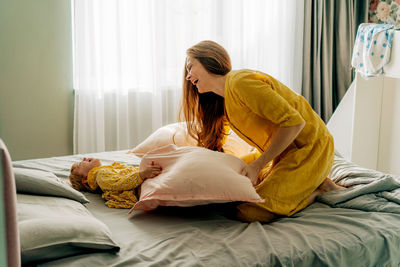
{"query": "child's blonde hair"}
(76, 180)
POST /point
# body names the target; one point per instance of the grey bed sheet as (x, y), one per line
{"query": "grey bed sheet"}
(320, 235)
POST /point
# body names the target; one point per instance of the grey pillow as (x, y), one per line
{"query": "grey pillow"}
(54, 227)
(45, 183)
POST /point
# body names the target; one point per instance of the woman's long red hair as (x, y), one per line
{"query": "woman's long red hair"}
(205, 113)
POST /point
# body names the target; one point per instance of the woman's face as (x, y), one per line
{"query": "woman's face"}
(86, 165)
(198, 75)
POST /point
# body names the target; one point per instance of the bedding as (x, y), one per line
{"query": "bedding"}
(368, 190)
(176, 133)
(38, 182)
(194, 176)
(53, 227)
(336, 230)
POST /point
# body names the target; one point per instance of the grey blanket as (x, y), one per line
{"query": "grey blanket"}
(367, 189)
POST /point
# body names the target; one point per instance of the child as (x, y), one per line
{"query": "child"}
(117, 181)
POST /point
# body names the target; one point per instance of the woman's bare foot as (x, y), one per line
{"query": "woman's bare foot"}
(326, 186)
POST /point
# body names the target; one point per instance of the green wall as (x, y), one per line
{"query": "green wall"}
(36, 95)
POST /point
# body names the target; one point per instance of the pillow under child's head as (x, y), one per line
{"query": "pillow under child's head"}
(194, 176)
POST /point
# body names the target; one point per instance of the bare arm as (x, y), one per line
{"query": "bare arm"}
(151, 171)
(283, 138)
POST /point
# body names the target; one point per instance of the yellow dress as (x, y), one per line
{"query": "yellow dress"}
(256, 105)
(117, 181)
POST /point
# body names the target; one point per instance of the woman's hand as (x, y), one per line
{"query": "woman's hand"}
(251, 171)
(283, 138)
(151, 171)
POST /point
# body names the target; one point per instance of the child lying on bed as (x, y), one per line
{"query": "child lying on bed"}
(117, 181)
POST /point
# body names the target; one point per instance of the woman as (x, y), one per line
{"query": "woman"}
(295, 148)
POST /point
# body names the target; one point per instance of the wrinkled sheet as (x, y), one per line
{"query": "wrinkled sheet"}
(330, 232)
(367, 189)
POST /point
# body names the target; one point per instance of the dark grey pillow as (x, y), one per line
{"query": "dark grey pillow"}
(52, 227)
(44, 183)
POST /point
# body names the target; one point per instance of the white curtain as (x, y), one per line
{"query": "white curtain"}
(129, 57)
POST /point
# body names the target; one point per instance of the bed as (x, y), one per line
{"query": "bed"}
(358, 226)
(47, 223)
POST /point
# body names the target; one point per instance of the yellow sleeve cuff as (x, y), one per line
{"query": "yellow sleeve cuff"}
(250, 157)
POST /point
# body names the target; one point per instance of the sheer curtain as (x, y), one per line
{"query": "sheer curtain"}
(129, 57)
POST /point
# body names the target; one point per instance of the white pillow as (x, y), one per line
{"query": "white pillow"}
(194, 176)
(165, 135)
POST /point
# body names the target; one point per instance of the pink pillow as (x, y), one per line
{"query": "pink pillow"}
(194, 176)
(165, 135)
